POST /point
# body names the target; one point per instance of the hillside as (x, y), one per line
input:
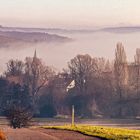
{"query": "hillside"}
(122, 29)
(8, 38)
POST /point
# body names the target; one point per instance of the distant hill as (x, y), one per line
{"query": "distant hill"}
(107, 29)
(12, 35)
(122, 29)
(7, 38)
(47, 30)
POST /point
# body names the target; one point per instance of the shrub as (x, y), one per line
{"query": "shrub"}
(19, 117)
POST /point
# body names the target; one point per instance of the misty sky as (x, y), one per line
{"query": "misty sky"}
(69, 13)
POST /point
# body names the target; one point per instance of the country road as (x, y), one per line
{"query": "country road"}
(44, 134)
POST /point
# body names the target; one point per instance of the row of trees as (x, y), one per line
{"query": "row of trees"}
(19, 88)
(101, 88)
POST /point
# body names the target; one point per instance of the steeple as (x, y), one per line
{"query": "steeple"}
(35, 56)
(35, 61)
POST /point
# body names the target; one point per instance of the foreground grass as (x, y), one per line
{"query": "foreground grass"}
(102, 132)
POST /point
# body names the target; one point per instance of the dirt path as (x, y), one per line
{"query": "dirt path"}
(67, 135)
(44, 134)
(26, 134)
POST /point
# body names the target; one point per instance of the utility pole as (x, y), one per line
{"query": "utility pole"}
(72, 121)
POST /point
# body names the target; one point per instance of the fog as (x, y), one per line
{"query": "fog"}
(97, 44)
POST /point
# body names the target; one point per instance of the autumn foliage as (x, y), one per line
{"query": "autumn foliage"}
(2, 136)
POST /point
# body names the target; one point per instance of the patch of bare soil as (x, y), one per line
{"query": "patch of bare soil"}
(26, 134)
(67, 135)
(44, 134)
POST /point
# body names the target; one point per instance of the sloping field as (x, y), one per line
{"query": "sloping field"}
(44, 134)
(103, 132)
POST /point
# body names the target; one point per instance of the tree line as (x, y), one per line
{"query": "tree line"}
(95, 86)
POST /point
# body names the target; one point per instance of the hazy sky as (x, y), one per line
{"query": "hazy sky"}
(69, 13)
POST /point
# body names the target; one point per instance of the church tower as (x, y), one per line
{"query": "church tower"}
(34, 57)
(35, 69)
(35, 61)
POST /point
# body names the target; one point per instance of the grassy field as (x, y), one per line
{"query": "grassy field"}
(102, 132)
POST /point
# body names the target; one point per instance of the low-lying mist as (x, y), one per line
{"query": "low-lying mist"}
(97, 44)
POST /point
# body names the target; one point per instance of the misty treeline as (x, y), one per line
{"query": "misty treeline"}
(95, 86)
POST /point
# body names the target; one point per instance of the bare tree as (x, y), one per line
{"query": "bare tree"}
(37, 75)
(14, 68)
(121, 73)
(137, 70)
(33, 73)
(16, 105)
(83, 69)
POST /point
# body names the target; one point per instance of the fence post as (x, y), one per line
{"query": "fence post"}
(72, 115)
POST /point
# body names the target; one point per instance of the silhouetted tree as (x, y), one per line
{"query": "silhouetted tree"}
(121, 73)
(83, 69)
(14, 68)
(17, 105)
(37, 75)
(137, 71)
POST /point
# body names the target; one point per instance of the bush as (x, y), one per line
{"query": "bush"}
(19, 117)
